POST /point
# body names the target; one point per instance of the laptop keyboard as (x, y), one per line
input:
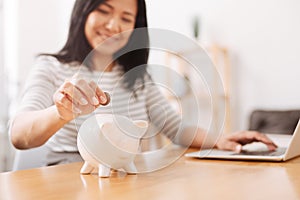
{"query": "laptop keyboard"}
(277, 152)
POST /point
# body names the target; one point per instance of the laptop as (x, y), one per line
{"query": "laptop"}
(288, 148)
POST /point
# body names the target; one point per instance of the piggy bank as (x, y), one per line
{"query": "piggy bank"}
(108, 142)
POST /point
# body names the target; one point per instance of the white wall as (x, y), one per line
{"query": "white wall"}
(2, 111)
(262, 37)
(43, 27)
(2, 73)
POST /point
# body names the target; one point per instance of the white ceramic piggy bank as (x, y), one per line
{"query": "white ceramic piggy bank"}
(108, 142)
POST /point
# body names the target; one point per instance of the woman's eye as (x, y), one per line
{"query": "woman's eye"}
(127, 20)
(103, 11)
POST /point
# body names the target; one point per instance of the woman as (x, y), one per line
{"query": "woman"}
(55, 95)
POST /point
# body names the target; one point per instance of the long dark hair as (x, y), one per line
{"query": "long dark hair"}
(77, 47)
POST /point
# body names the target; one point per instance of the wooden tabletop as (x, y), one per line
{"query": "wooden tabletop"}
(187, 178)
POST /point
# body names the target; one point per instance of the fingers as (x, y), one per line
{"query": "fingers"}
(63, 101)
(73, 93)
(78, 97)
(246, 137)
(259, 137)
(103, 97)
(228, 145)
(270, 144)
(81, 92)
(86, 90)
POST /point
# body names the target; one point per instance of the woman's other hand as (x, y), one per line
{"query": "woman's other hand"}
(235, 141)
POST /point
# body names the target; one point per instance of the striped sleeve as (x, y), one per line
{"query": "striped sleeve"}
(39, 89)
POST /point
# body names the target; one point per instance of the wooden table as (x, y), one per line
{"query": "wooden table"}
(185, 179)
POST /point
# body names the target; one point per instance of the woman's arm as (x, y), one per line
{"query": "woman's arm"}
(33, 128)
(45, 108)
(196, 137)
(73, 98)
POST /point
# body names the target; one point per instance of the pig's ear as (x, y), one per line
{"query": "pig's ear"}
(108, 128)
(141, 123)
(141, 127)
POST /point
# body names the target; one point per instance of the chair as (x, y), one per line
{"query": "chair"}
(27, 159)
(274, 121)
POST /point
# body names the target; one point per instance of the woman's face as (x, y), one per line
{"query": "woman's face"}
(106, 23)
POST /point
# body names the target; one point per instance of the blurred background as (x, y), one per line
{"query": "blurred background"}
(254, 44)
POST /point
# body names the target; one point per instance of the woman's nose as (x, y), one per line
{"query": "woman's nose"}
(112, 25)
